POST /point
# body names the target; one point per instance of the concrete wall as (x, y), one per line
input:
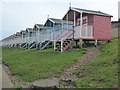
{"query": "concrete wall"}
(119, 10)
(115, 29)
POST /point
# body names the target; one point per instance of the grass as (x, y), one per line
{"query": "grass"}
(31, 65)
(102, 72)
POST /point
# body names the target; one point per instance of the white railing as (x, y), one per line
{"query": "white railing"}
(41, 36)
(87, 31)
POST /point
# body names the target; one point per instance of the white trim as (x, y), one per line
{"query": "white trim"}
(86, 37)
(37, 26)
(81, 24)
(88, 12)
(67, 21)
(85, 17)
(51, 20)
(74, 18)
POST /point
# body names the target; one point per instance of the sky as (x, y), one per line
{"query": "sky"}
(17, 15)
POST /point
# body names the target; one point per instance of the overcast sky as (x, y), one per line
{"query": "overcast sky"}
(18, 15)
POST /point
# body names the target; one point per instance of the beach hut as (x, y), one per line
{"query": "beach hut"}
(89, 25)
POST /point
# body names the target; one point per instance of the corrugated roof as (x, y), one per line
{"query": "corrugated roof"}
(90, 11)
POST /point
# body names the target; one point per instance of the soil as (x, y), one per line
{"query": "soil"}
(90, 55)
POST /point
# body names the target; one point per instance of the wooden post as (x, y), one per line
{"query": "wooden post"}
(67, 22)
(61, 45)
(22, 39)
(74, 23)
(81, 44)
(96, 42)
(81, 24)
(62, 24)
(53, 31)
(28, 39)
(38, 37)
(54, 45)
(40, 45)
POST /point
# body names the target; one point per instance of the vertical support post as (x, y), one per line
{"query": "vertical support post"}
(74, 22)
(22, 39)
(54, 45)
(81, 21)
(28, 40)
(81, 44)
(38, 37)
(96, 42)
(67, 25)
(40, 45)
(62, 28)
(61, 45)
(53, 31)
(67, 22)
(87, 27)
(62, 24)
(36, 32)
(15, 42)
(74, 18)
(54, 39)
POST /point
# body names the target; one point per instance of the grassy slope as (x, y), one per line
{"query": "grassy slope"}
(102, 72)
(31, 65)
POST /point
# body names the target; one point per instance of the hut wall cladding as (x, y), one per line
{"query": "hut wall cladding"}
(90, 19)
(102, 27)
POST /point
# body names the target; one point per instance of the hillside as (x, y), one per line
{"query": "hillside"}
(102, 72)
(32, 65)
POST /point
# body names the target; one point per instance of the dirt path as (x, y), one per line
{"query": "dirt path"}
(6, 82)
(90, 55)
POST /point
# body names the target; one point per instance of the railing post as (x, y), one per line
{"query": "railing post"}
(61, 45)
(74, 23)
(81, 23)
(54, 45)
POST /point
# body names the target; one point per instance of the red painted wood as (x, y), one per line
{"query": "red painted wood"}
(69, 36)
(102, 27)
(68, 45)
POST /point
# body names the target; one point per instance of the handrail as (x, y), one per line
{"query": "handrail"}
(62, 32)
(68, 45)
(69, 35)
(59, 34)
(63, 35)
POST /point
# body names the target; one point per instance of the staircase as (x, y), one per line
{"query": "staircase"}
(32, 45)
(24, 45)
(45, 44)
(64, 44)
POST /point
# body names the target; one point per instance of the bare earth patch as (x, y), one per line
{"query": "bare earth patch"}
(90, 55)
